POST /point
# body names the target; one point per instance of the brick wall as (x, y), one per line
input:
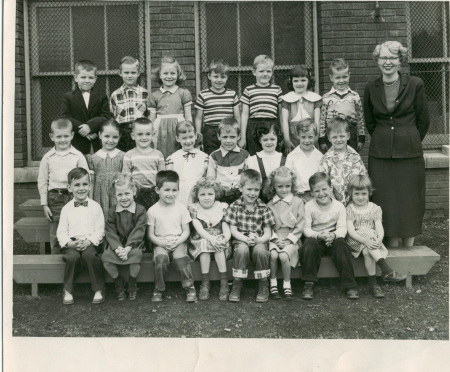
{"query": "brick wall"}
(347, 30)
(172, 34)
(436, 193)
(20, 129)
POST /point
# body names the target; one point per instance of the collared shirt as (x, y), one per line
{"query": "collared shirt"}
(227, 166)
(270, 161)
(341, 167)
(215, 105)
(54, 168)
(131, 208)
(104, 154)
(350, 105)
(171, 90)
(169, 101)
(81, 223)
(289, 213)
(86, 95)
(301, 107)
(303, 166)
(129, 103)
(249, 221)
(329, 219)
(262, 101)
(143, 166)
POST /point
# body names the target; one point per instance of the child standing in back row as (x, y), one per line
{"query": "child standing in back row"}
(299, 104)
(169, 105)
(260, 102)
(215, 103)
(129, 102)
(342, 100)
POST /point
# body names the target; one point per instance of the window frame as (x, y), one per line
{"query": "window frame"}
(204, 63)
(34, 73)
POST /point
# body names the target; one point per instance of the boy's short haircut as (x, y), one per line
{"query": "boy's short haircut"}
(338, 64)
(319, 177)
(128, 60)
(76, 174)
(85, 64)
(142, 121)
(166, 176)
(337, 123)
(250, 175)
(227, 124)
(360, 182)
(219, 66)
(306, 124)
(61, 123)
(262, 59)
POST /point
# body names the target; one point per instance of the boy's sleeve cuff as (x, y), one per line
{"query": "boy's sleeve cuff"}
(361, 139)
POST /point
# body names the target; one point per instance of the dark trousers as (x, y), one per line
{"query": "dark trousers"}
(146, 197)
(56, 200)
(125, 143)
(313, 250)
(77, 261)
(232, 196)
(210, 140)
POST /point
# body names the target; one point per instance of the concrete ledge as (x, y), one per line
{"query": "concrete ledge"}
(26, 174)
(435, 159)
(445, 149)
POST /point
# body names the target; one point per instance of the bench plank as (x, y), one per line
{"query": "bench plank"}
(33, 229)
(32, 208)
(49, 269)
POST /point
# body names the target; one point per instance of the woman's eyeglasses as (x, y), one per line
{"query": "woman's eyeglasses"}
(388, 59)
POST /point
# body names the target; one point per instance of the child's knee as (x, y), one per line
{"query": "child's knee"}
(284, 257)
(365, 252)
(273, 254)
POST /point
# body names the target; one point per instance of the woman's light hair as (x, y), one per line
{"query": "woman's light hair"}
(393, 46)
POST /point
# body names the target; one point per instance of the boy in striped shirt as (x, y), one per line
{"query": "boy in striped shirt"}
(215, 103)
(260, 101)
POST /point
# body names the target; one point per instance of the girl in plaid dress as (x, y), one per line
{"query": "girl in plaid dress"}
(365, 232)
(210, 234)
(106, 163)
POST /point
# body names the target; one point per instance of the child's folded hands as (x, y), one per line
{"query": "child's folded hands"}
(84, 130)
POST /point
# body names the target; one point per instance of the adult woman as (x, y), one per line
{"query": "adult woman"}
(396, 115)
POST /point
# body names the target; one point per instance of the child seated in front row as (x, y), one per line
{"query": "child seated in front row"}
(210, 234)
(365, 233)
(53, 170)
(125, 231)
(325, 231)
(305, 159)
(289, 212)
(341, 162)
(251, 224)
(143, 162)
(81, 229)
(227, 163)
(168, 230)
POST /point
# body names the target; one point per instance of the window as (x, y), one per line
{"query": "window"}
(62, 33)
(429, 59)
(238, 32)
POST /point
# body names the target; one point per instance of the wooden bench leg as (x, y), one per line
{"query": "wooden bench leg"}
(42, 248)
(34, 290)
(409, 281)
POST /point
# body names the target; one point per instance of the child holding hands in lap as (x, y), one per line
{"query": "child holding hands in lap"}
(365, 233)
(289, 212)
(211, 234)
(125, 231)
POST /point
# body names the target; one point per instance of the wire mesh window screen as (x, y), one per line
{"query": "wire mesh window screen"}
(239, 31)
(429, 59)
(63, 32)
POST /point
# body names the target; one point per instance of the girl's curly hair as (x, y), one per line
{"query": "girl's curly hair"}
(166, 61)
(206, 183)
(122, 179)
(263, 128)
(269, 188)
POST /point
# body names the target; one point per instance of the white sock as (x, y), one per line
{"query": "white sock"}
(286, 284)
(273, 282)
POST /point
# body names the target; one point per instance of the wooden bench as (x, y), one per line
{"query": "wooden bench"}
(34, 230)
(40, 269)
(32, 208)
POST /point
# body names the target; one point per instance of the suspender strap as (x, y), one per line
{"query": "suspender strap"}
(261, 168)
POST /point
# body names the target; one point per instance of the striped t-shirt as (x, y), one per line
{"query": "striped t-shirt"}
(216, 106)
(143, 166)
(263, 101)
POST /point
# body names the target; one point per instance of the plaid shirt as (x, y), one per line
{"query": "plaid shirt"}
(247, 221)
(129, 104)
